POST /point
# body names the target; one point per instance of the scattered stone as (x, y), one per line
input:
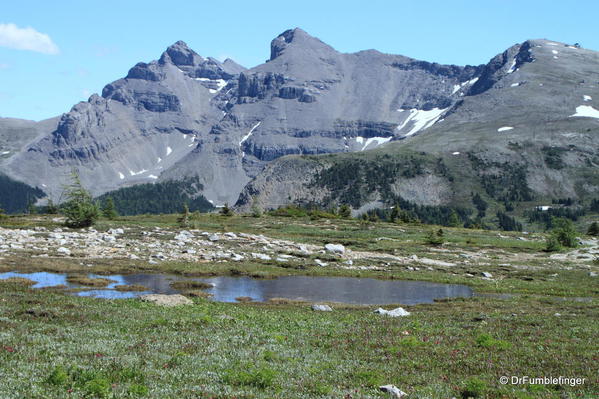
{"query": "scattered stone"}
(397, 312)
(394, 391)
(557, 314)
(320, 263)
(592, 274)
(184, 235)
(261, 256)
(213, 237)
(335, 248)
(434, 262)
(322, 308)
(236, 257)
(116, 231)
(231, 235)
(63, 250)
(166, 300)
(487, 275)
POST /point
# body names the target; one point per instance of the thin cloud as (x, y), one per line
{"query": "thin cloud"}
(12, 36)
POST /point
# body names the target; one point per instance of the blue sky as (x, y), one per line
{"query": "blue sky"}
(74, 48)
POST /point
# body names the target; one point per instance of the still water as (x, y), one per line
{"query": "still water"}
(365, 291)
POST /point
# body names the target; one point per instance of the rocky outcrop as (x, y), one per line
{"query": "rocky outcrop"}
(185, 115)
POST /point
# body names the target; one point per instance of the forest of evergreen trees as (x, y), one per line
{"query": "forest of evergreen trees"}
(15, 197)
(156, 198)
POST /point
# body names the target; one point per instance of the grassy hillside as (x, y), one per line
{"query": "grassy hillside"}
(56, 345)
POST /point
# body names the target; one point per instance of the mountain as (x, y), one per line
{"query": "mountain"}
(185, 115)
(526, 130)
(296, 128)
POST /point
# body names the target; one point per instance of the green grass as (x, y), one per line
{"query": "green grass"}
(53, 345)
(82, 347)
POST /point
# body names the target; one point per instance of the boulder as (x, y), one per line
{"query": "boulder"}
(335, 248)
(322, 308)
(64, 251)
(397, 312)
(393, 391)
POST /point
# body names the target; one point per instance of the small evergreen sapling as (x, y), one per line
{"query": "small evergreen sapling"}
(80, 209)
(109, 210)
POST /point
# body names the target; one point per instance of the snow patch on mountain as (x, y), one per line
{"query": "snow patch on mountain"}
(377, 140)
(586, 111)
(247, 136)
(132, 173)
(513, 66)
(504, 128)
(421, 119)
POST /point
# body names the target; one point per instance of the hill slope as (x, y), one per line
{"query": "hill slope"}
(526, 130)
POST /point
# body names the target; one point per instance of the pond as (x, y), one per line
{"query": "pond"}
(351, 290)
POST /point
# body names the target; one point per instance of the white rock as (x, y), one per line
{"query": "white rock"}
(394, 391)
(116, 231)
(592, 274)
(183, 235)
(397, 312)
(320, 263)
(322, 308)
(335, 248)
(63, 250)
(231, 235)
(261, 256)
(108, 238)
(213, 237)
(487, 275)
(236, 257)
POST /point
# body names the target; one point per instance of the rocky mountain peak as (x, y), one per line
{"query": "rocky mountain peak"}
(296, 38)
(180, 54)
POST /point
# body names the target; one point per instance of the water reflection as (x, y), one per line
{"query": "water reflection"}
(351, 290)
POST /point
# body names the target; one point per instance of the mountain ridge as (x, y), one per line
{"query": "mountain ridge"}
(184, 115)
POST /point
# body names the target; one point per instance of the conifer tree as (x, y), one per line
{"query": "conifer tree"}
(80, 209)
(109, 210)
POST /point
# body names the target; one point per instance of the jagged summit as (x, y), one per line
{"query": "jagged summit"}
(180, 54)
(188, 115)
(296, 38)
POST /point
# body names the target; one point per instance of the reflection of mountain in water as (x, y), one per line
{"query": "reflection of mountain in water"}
(365, 291)
(157, 283)
(335, 289)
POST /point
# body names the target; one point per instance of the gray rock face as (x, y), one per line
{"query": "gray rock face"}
(523, 123)
(186, 115)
